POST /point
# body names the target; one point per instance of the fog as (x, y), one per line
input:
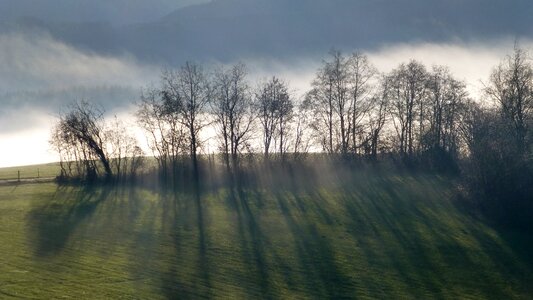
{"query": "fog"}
(471, 62)
(42, 75)
(37, 61)
(57, 51)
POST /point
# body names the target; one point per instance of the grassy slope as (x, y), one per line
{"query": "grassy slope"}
(375, 236)
(29, 172)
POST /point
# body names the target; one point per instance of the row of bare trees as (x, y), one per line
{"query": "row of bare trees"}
(351, 110)
(190, 101)
(410, 110)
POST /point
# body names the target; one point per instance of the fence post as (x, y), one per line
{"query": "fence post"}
(38, 173)
(18, 175)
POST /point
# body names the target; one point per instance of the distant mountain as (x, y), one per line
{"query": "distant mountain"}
(229, 29)
(225, 30)
(109, 11)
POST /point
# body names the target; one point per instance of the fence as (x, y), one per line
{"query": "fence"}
(27, 173)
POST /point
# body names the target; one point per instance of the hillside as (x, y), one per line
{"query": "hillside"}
(319, 234)
(50, 170)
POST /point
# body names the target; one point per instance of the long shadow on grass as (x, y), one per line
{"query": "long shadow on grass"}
(251, 237)
(52, 224)
(187, 270)
(323, 277)
(409, 228)
(382, 221)
(313, 271)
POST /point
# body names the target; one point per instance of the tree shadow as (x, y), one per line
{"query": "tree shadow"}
(187, 273)
(51, 225)
(428, 243)
(312, 269)
(250, 234)
(323, 276)
(389, 239)
(320, 240)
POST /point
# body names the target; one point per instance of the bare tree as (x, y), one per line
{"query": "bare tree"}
(329, 97)
(361, 73)
(320, 101)
(231, 108)
(340, 101)
(446, 97)
(284, 107)
(165, 133)
(125, 154)
(337, 72)
(511, 86)
(81, 131)
(302, 119)
(275, 107)
(408, 83)
(68, 151)
(378, 115)
(187, 93)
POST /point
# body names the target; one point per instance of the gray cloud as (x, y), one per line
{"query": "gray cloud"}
(19, 109)
(40, 75)
(37, 61)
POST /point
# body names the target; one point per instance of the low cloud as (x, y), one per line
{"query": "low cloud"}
(471, 62)
(41, 75)
(36, 61)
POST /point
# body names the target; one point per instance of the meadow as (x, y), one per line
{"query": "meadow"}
(311, 234)
(30, 172)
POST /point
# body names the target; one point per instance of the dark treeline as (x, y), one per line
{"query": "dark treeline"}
(417, 115)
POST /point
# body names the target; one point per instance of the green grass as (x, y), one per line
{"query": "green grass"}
(30, 172)
(371, 236)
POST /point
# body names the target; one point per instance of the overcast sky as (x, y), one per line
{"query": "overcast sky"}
(55, 51)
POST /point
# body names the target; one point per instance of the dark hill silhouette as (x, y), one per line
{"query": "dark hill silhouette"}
(227, 30)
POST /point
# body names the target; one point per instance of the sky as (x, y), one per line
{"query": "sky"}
(53, 52)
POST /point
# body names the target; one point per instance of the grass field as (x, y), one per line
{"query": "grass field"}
(371, 235)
